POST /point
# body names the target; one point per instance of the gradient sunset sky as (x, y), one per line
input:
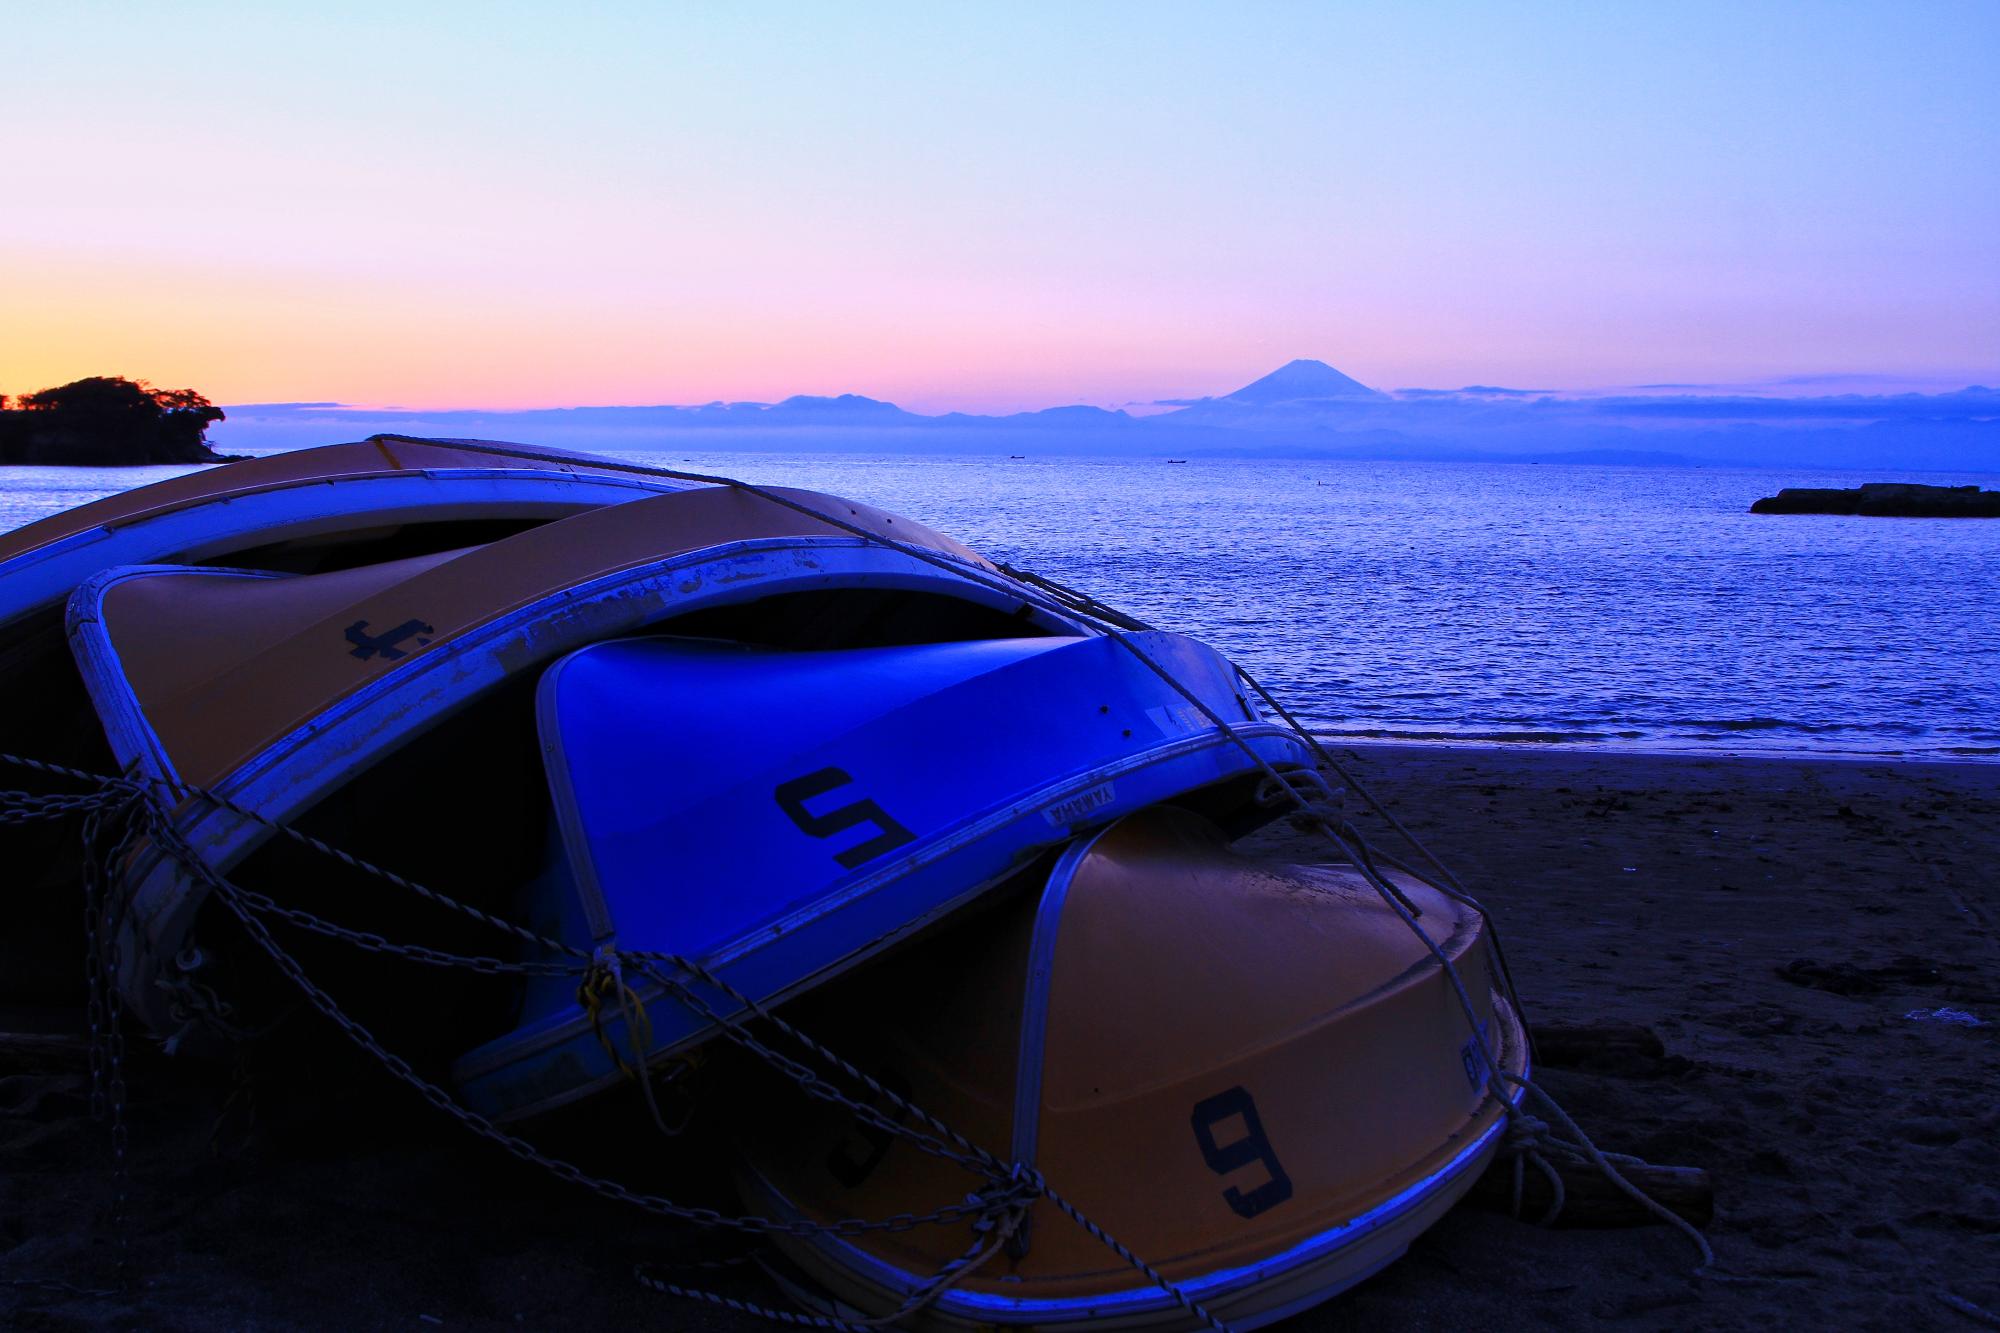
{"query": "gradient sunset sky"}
(993, 208)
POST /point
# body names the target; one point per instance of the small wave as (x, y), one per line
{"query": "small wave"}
(1485, 737)
(1709, 726)
(1752, 724)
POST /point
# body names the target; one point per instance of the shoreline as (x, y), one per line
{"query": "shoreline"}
(1335, 743)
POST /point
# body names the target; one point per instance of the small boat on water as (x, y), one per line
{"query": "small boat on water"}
(807, 754)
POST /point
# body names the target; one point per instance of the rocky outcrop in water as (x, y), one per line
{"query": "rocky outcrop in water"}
(1885, 499)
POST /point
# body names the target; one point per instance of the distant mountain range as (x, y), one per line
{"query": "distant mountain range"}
(1304, 409)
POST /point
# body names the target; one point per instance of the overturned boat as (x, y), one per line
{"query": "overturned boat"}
(728, 748)
(839, 727)
(1256, 1076)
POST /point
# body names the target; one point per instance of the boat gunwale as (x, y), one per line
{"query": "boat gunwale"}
(133, 740)
(546, 461)
(163, 900)
(548, 493)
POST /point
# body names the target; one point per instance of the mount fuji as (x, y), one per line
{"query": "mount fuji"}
(1303, 379)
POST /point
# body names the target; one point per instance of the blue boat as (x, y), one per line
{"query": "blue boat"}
(777, 817)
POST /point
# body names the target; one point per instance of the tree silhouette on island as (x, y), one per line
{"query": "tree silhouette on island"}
(108, 421)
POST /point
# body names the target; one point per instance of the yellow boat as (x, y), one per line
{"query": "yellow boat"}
(310, 511)
(1258, 1078)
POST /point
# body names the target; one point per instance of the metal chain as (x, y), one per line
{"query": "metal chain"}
(24, 808)
(972, 1158)
(229, 896)
(107, 1056)
(1018, 1170)
(372, 942)
(999, 1212)
(246, 905)
(102, 853)
(993, 1234)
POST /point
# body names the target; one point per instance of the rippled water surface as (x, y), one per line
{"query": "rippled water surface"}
(1465, 601)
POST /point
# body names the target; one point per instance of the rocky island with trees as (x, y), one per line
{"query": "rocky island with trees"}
(108, 421)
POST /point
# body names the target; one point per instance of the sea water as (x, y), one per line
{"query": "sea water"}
(1551, 604)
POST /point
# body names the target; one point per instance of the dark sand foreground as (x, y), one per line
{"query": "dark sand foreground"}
(1855, 1148)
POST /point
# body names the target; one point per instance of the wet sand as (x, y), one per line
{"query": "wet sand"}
(1775, 922)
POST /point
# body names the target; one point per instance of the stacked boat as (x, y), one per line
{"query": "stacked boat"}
(810, 758)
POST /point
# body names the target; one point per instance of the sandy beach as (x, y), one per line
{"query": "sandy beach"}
(1790, 929)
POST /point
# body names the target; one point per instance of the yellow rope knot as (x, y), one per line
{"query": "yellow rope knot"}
(602, 981)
